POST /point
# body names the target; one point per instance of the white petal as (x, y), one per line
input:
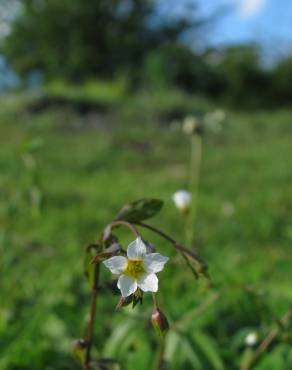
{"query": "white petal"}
(182, 198)
(154, 262)
(136, 250)
(116, 264)
(148, 283)
(127, 285)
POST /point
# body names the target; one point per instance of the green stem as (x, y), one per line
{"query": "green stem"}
(194, 179)
(126, 224)
(154, 300)
(180, 248)
(161, 361)
(92, 315)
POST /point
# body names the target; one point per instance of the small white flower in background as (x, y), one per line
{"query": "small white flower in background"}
(219, 115)
(251, 339)
(182, 199)
(138, 269)
(190, 125)
(214, 120)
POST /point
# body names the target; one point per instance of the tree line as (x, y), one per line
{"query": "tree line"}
(75, 40)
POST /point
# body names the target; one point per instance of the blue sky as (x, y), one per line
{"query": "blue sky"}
(268, 22)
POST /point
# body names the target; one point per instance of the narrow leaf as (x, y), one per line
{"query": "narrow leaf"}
(140, 210)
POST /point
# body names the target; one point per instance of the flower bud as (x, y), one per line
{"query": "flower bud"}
(159, 322)
(79, 346)
(192, 125)
(251, 339)
(124, 301)
(182, 199)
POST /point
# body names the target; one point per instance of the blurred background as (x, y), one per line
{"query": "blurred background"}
(94, 95)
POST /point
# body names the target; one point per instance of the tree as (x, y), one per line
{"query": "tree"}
(75, 39)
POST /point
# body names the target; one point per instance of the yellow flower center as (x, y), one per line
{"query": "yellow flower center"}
(134, 269)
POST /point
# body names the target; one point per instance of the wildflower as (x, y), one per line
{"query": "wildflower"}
(251, 339)
(182, 199)
(138, 269)
(191, 125)
(214, 120)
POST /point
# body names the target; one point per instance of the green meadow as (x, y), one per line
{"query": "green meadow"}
(65, 173)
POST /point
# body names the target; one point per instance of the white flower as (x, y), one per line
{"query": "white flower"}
(190, 125)
(251, 339)
(214, 120)
(138, 269)
(182, 199)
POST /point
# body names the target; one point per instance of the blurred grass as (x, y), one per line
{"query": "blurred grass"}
(86, 168)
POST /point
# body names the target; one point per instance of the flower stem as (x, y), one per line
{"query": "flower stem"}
(184, 252)
(126, 224)
(266, 343)
(154, 300)
(177, 246)
(194, 178)
(161, 361)
(92, 315)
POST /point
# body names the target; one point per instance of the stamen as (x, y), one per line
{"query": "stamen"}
(134, 269)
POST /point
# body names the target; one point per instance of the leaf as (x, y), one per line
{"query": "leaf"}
(140, 210)
(117, 338)
(191, 354)
(196, 264)
(179, 351)
(105, 364)
(172, 345)
(30, 145)
(207, 346)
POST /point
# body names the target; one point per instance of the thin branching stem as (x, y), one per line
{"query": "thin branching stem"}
(178, 247)
(161, 355)
(265, 344)
(126, 224)
(154, 300)
(94, 291)
(92, 315)
(194, 179)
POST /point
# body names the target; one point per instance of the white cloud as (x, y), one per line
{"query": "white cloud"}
(249, 8)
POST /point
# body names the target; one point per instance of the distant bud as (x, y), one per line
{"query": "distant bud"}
(182, 199)
(192, 125)
(251, 339)
(79, 346)
(159, 322)
(124, 301)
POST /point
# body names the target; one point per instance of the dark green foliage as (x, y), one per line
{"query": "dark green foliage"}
(78, 42)
(140, 210)
(76, 39)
